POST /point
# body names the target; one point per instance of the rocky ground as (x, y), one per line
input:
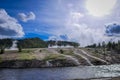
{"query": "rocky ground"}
(110, 56)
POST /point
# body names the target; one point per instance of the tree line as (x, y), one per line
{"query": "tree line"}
(32, 43)
(110, 46)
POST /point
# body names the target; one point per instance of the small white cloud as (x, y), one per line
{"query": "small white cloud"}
(76, 14)
(25, 17)
(9, 26)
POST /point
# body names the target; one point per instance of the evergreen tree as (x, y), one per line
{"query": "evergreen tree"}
(99, 45)
(109, 45)
(31, 43)
(103, 44)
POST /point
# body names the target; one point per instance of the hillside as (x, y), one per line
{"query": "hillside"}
(53, 57)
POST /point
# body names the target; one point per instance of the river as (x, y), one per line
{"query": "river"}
(64, 73)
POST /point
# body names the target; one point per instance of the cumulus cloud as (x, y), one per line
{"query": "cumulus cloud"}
(74, 23)
(26, 17)
(113, 30)
(9, 26)
(75, 30)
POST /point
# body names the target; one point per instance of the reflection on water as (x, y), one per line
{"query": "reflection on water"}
(60, 73)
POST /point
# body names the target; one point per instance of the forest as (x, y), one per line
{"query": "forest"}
(32, 43)
(110, 46)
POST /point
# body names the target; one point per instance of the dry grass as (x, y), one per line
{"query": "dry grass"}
(15, 55)
(66, 52)
(53, 56)
(26, 56)
(29, 54)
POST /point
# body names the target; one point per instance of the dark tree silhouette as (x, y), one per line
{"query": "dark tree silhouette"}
(19, 46)
(5, 43)
(99, 45)
(109, 45)
(31, 43)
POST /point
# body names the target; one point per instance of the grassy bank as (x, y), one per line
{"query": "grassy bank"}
(33, 58)
(58, 57)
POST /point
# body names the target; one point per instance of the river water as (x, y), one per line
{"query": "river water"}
(65, 73)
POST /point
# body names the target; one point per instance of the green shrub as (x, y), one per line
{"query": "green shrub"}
(61, 51)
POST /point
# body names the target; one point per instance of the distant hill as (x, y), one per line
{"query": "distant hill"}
(32, 43)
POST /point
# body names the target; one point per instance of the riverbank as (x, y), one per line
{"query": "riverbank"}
(36, 63)
(52, 57)
(110, 78)
(34, 58)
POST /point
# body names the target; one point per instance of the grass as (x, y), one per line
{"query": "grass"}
(26, 56)
(68, 52)
(53, 56)
(45, 51)
(27, 51)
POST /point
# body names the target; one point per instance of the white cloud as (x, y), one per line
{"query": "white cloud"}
(100, 7)
(71, 18)
(80, 32)
(76, 15)
(25, 17)
(9, 26)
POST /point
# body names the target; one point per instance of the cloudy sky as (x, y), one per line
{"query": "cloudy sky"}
(84, 21)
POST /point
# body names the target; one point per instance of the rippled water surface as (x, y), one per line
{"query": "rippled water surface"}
(60, 73)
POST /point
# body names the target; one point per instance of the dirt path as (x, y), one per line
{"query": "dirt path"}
(89, 58)
(93, 57)
(39, 55)
(67, 56)
(82, 56)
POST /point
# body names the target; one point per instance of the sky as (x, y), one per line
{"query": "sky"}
(83, 21)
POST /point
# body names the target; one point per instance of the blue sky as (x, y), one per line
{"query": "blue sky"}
(83, 21)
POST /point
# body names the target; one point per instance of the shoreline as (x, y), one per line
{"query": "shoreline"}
(102, 78)
(27, 64)
(50, 58)
(20, 64)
